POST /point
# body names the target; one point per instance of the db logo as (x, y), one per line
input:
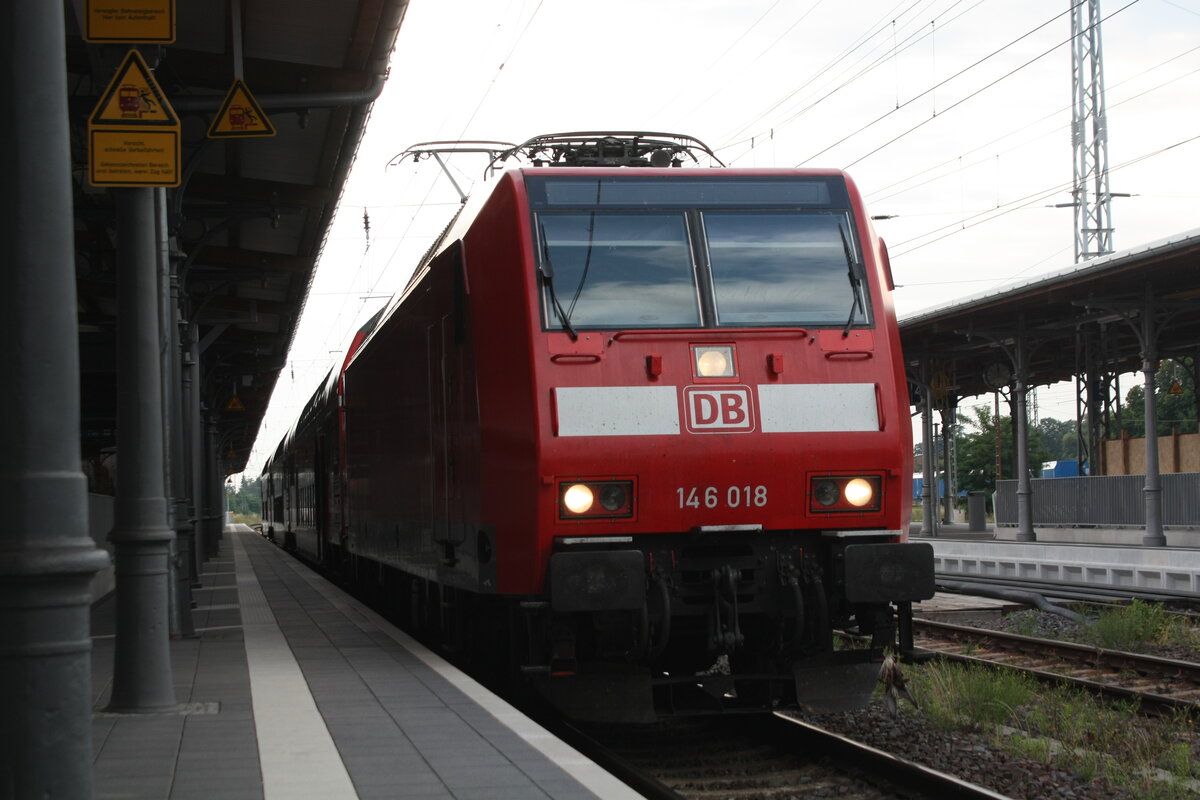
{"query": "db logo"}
(724, 410)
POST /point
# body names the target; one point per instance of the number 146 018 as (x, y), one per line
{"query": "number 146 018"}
(722, 497)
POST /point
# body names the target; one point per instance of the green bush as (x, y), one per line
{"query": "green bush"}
(951, 694)
(1131, 627)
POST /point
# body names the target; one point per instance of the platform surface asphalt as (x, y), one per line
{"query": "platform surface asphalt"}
(292, 689)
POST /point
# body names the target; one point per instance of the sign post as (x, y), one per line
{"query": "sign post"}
(133, 133)
(240, 115)
(151, 21)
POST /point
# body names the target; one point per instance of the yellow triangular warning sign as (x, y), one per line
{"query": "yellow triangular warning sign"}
(240, 115)
(133, 98)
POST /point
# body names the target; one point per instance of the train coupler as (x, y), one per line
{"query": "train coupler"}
(724, 632)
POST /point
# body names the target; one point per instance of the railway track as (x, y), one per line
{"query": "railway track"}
(1159, 684)
(758, 757)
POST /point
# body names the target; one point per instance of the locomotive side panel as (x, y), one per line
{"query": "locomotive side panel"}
(388, 462)
(302, 529)
(313, 448)
(411, 438)
(896, 386)
(499, 276)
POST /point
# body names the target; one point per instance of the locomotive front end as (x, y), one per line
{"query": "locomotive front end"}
(724, 448)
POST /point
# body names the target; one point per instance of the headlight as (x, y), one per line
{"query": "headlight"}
(578, 499)
(834, 493)
(595, 499)
(714, 361)
(859, 492)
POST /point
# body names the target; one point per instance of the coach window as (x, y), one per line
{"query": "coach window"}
(619, 269)
(783, 268)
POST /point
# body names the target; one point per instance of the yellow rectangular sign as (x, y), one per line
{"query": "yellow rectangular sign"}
(129, 21)
(133, 157)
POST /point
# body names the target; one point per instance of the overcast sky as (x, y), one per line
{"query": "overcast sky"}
(952, 116)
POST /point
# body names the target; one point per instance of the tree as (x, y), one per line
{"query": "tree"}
(246, 499)
(1056, 436)
(977, 451)
(1174, 411)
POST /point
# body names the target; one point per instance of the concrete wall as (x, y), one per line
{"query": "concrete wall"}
(1177, 453)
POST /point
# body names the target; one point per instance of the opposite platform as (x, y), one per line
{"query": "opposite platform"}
(292, 689)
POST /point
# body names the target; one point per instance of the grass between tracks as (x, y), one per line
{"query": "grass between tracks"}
(1132, 627)
(1150, 758)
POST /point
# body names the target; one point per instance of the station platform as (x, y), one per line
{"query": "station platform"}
(292, 689)
(1083, 557)
(1177, 537)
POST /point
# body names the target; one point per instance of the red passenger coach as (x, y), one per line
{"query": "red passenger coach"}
(635, 431)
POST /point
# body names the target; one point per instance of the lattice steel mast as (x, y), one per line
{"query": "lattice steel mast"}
(1089, 134)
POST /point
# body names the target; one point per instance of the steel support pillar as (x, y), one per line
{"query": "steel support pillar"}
(928, 457)
(47, 558)
(142, 678)
(195, 444)
(1153, 491)
(1025, 532)
(181, 588)
(1091, 399)
(1083, 373)
(948, 414)
(181, 436)
(215, 489)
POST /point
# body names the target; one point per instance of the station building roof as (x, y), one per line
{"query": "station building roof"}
(1085, 318)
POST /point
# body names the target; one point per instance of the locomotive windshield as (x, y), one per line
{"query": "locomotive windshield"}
(696, 252)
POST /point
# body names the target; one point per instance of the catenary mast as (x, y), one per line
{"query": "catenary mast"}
(1089, 135)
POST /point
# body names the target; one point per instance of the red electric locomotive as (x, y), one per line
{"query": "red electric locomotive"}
(637, 431)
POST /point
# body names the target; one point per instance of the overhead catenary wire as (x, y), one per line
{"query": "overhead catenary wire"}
(970, 221)
(1020, 204)
(879, 28)
(977, 92)
(732, 45)
(492, 83)
(872, 31)
(977, 63)
(878, 196)
(761, 53)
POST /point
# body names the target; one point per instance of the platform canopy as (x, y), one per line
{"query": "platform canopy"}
(1087, 319)
(252, 210)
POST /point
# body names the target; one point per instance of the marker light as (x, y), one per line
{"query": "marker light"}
(613, 497)
(578, 499)
(845, 493)
(587, 499)
(714, 361)
(825, 492)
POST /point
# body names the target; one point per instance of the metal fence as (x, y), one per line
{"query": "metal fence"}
(1103, 500)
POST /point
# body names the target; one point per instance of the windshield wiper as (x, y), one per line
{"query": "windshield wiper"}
(546, 269)
(587, 260)
(855, 283)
